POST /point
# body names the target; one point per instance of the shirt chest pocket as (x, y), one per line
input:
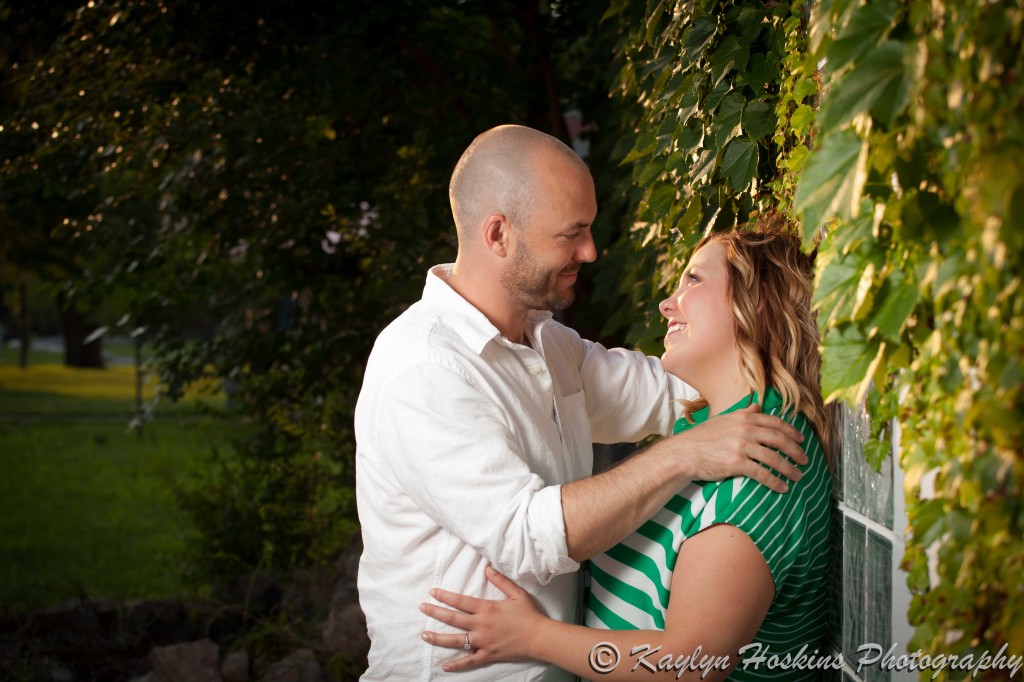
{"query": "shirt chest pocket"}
(575, 427)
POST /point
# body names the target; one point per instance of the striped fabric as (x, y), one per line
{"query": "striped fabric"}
(630, 584)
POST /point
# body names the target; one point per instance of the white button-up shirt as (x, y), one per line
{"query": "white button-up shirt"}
(463, 442)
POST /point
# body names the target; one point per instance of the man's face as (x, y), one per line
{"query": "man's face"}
(548, 251)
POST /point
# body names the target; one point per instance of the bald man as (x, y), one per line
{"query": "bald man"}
(478, 413)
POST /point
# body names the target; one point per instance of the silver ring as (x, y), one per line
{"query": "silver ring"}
(467, 646)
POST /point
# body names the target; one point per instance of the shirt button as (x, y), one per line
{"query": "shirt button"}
(536, 370)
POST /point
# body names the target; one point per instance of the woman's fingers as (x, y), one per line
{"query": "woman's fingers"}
(453, 642)
(448, 640)
(439, 613)
(461, 602)
(503, 582)
(773, 432)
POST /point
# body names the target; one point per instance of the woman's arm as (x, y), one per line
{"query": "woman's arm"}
(721, 591)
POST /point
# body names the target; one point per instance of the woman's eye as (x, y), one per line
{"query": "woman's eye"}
(692, 278)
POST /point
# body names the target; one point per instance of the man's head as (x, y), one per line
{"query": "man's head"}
(523, 202)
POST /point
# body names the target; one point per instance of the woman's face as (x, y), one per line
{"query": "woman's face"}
(700, 345)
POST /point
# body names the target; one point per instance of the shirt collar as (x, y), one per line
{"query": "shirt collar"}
(772, 400)
(463, 317)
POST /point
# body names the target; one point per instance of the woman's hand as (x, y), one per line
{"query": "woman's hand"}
(498, 630)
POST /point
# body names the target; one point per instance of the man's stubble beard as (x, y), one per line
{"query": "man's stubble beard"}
(533, 287)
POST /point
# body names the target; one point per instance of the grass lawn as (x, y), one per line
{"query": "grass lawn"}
(86, 507)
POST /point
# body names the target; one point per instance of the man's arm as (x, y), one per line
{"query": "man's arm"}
(601, 510)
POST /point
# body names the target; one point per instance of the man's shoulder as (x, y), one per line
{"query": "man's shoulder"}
(418, 335)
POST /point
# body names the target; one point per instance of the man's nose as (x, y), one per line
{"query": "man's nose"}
(587, 253)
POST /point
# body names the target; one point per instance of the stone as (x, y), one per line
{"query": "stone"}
(148, 677)
(235, 667)
(299, 666)
(345, 630)
(189, 662)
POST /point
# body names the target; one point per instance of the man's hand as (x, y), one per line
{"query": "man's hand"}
(737, 444)
(734, 444)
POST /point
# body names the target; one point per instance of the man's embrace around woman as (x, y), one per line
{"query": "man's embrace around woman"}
(478, 412)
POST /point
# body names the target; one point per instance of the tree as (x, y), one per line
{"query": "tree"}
(265, 189)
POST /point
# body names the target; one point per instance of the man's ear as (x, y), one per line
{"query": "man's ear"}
(497, 234)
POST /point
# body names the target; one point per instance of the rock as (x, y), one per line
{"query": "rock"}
(188, 662)
(300, 666)
(235, 667)
(148, 677)
(345, 630)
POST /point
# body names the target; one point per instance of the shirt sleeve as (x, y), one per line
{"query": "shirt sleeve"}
(451, 452)
(629, 395)
(778, 523)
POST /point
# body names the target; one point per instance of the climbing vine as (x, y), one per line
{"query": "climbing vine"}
(891, 134)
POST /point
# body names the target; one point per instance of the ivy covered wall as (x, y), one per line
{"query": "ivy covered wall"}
(891, 134)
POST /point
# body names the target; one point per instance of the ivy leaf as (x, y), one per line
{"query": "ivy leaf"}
(801, 118)
(832, 182)
(688, 104)
(836, 286)
(899, 300)
(875, 452)
(703, 166)
(714, 98)
(689, 137)
(758, 72)
(879, 83)
(740, 162)
(847, 362)
(727, 119)
(698, 37)
(729, 55)
(866, 27)
(758, 120)
(645, 146)
(805, 88)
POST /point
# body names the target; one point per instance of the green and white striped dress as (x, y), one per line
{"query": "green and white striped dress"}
(630, 584)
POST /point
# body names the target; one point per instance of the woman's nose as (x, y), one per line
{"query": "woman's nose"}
(667, 306)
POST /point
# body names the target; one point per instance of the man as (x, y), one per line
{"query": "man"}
(478, 412)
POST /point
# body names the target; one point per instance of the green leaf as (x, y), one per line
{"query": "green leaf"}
(698, 37)
(740, 162)
(805, 88)
(689, 137)
(645, 146)
(875, 452)
(703, 167)
(689, 103)
(714, 98)
(847, 363)
(836, 288)
(831, 183)
(879, 83)
(729, 55)
(867, 26)
(726, 121)
(801, 118)
(758, 120)
(898, 300)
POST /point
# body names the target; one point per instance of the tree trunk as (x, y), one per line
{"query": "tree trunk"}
(76, 328)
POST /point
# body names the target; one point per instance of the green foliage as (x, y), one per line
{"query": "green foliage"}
(898, 143)
(720, 122)
(918, 163)
(262, 190)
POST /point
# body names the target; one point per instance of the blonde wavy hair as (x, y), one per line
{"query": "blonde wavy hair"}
(771, 281)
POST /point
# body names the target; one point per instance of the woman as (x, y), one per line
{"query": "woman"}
(742, 564)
